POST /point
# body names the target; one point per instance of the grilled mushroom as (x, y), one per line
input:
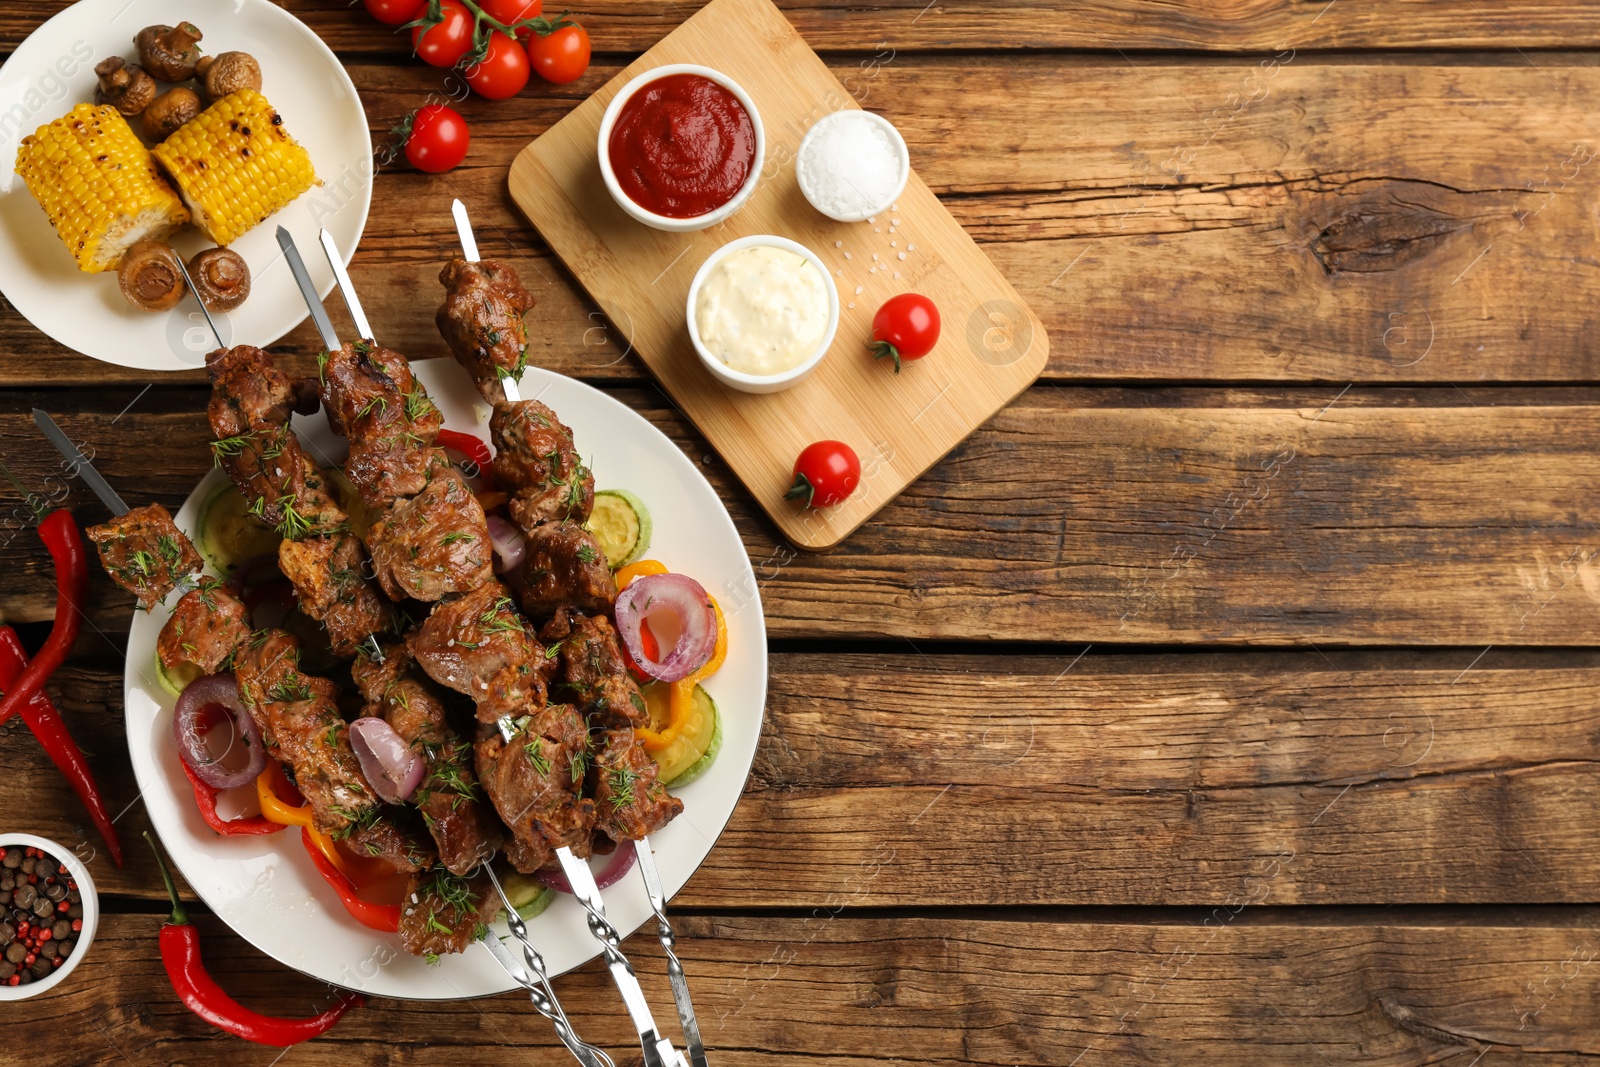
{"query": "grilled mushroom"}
(127, 88)
(150, 277)
(169, 52)
(228, 73)
(221, 278)
(170, 110)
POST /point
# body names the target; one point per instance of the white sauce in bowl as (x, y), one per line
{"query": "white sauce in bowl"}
(762, 310)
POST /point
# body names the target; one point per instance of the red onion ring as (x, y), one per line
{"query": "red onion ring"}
(216, 690)
(684, 598)
(622, 861)
(509, 544)
(387, 762)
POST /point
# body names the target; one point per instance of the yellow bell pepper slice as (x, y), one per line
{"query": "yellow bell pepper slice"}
(273, 807)
(626, 575)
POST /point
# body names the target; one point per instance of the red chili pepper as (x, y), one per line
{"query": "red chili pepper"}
(60, 535)
(384, 917)
(474, 449)
(205, 798)
(180, 952)
(46, 723)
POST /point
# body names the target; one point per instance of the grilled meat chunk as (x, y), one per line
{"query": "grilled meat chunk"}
(434, 543)
(445, 912)
(394, 837)
(145, 553)
(372, 398)
(591, 673)
(629, 799)
(535, 781)
(249, 414)
(481, 321)
(535, 454)
(563, 568)
(299, 719)
(477, 644)
(451, 802)
(205, 628)
(326, 574)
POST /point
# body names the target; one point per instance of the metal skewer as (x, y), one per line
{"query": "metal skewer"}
(679, 980)
(211, 322)
(346, 289)
(657, 1050)
(469, 252)
(535, 978)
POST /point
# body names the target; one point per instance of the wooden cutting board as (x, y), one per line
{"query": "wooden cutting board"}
(991, 348)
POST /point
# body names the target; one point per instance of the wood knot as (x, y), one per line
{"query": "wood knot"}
(1390, 224)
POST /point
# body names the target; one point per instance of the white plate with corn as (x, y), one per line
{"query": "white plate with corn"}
(266, 130)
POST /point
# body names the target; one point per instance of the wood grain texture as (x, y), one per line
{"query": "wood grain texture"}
(1320, 522)
(622, 26)
(1361, 221)
(992, 346)
(1106, 780)
(844, 992)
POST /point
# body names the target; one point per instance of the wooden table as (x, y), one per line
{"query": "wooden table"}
(1230, 698)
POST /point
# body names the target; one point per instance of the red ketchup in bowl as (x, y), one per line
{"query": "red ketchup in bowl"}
(682, 146)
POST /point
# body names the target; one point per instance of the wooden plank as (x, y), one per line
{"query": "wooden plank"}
(836, 991)
(619, 26)
(1107, 780)
(1435, 234)
(993, 345)
(1309, 521)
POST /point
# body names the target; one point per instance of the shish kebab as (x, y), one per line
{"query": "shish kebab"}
(533, 764)
(481, 319)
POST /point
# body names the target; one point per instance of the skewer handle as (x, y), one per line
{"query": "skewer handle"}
(469, 252)
(302, 278)
(669, 941)
(346, 289)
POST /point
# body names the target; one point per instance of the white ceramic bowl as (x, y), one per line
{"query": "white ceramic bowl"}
(663, 222)
(852, 115)
(762, 383)
(91, 915)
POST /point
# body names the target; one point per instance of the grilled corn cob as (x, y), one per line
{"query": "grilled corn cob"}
(235, 165)
(97, 184)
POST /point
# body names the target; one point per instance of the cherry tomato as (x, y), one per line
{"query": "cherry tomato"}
(444, 44)
(906, 327)
(439, 139)
(503, 70)
(562, 55)
(396, 12)
(510, 12)
(825, 474)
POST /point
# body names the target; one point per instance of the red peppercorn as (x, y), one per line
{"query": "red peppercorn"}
(15, 979)
(44, 935)
(58, 961)
(62, 906)
(77, 924)
(29, 958)
(23, 928)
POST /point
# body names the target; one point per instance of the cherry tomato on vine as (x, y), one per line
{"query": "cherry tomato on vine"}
(396, 12)
(438, 140)
(443, 44)
(503, 70)
(562, 55)
(510, 12)
(906, 327)
(825, 474)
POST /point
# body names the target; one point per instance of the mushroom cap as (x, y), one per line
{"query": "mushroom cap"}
(124, 86)
(221, 278)
(170, 110)
(149, 276)
(228, 73)
(169, 52)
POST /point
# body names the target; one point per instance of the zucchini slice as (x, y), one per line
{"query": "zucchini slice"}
(697, 744)
(229, 534)
(528, 895)
(175, 681)
(621, 523)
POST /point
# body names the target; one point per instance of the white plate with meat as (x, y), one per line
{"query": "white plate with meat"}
(54, 70)
(266, 887)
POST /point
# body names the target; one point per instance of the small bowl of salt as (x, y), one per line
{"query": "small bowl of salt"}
(852, 164)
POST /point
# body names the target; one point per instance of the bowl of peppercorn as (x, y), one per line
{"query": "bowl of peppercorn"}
(48, 914)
